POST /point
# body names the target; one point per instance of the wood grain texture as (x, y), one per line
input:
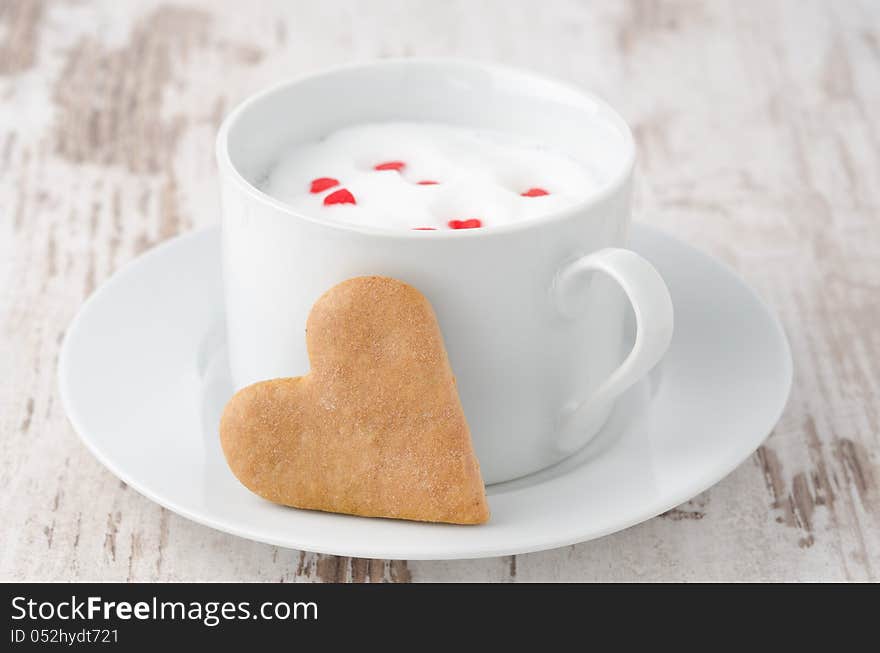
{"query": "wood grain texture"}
(756, 124)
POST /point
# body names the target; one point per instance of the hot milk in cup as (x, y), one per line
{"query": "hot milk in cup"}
(526, 266)
(426, 175)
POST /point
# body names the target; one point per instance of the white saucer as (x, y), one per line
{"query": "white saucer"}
(144, 378)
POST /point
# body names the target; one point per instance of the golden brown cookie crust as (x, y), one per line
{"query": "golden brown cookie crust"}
(375, 429)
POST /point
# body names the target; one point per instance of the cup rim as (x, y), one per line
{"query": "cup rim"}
(609, 188)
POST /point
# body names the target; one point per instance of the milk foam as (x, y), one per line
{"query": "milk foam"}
(480, 174)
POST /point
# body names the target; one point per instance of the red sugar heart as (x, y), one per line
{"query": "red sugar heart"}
(322, 184)
(472, 223)
(534, 192)
(427, 182)
(390, 165)
(341, 196)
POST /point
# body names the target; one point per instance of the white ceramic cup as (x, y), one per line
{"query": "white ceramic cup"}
(534, 337)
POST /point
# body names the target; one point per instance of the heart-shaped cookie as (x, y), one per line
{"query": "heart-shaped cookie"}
(375, 429)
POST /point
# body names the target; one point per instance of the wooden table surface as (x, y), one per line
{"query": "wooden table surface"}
(759, 141)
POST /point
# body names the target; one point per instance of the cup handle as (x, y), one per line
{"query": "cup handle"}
(652, 305)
